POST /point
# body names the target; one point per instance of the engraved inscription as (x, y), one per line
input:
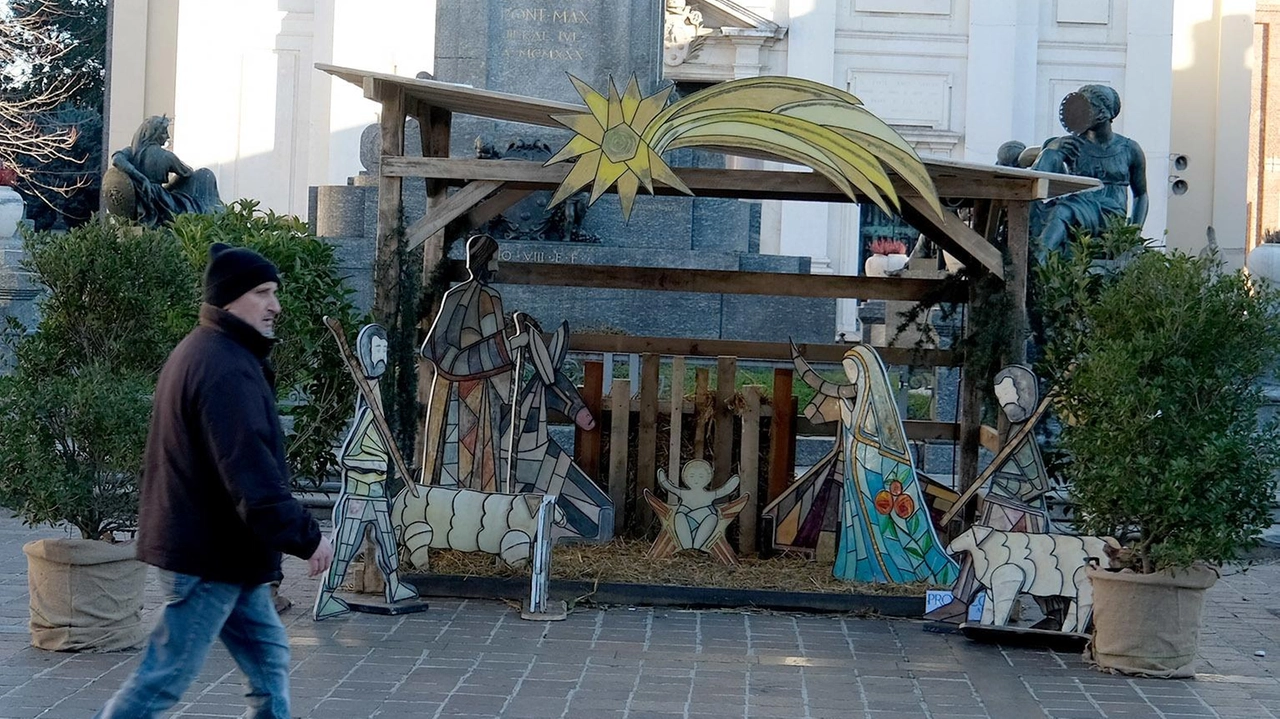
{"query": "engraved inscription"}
(545, 33)
(541, 256)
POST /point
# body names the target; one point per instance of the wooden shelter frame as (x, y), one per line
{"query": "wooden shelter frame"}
(483, 189)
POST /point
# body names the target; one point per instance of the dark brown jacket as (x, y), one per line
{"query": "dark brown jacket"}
(215, 498)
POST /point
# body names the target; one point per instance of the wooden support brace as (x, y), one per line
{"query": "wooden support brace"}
(954, 236)
(448, 209)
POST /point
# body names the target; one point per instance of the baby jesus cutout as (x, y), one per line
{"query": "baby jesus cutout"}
(694, 521)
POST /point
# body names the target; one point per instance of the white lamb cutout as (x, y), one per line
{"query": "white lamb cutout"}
(1042, 565)
(467, 520)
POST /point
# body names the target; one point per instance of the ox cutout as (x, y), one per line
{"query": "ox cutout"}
(478, 361)
(364, 458)
(467, 520)
(864, 494)
(1006, 564)
(694, 521)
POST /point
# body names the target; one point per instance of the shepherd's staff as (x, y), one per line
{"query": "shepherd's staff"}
(371, 399)
(515, 396)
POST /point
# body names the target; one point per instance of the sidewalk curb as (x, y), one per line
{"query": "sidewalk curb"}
(516, 588)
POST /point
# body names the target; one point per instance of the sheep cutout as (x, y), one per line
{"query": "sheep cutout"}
(468, 520)
(1007, 564)
(694, 521)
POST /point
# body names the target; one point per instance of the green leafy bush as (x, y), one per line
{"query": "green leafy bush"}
(119, 297)
(1161, 405)
(76, 407)
(316, 393)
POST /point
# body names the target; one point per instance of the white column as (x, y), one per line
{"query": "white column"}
(1231, 146)
(128, 64)
(811, 46)
(1147, 101)
(992, 92)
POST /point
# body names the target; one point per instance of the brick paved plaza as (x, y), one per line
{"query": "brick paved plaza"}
(479, 659)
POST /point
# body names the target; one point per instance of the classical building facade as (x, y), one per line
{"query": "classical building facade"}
(955, 77)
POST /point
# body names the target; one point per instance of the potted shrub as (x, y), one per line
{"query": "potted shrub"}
(1165, 449)
(75, 414)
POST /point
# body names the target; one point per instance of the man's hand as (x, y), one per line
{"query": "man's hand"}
(320, 559)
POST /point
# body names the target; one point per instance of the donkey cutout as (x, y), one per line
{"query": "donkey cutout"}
(542, 465)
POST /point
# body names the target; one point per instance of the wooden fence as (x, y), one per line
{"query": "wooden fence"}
(746, 431)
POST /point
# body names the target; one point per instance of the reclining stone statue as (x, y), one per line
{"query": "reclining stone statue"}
(148, 183)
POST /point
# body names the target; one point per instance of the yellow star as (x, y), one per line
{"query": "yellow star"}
(610, 146)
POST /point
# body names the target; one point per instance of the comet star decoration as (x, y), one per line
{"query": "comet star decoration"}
(622, 137)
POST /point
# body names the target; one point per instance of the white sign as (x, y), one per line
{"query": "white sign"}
(905, 98)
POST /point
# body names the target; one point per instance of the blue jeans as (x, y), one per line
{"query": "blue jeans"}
(196, 613)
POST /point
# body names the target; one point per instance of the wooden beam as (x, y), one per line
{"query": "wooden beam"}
(586, 442)
(970, 401)
(749, 468)
(628, 344)
(494, 206)
(670, 279)
(954, 236)
(722, 444)
(647, 440)
(446, 209)
(709, 182)
(674, 443)
(781, 432)
(1019, 234)
(619, 429)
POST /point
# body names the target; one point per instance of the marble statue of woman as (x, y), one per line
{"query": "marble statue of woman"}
(1092, 149)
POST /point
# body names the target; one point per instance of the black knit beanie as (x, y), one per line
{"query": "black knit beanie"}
(233, 271)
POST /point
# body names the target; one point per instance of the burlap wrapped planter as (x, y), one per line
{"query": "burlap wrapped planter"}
(85, 595)
(1148, 624)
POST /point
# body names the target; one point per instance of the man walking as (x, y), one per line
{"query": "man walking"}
(216, 511)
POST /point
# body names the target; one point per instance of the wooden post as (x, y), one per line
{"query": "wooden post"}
(435, 126)
(970, 415)
(677, 418)
(1016, 276)
(387, 259)
(749, 469)
(781, 466)
(619, 428)
(647, 444)
(726, 388)
(388, 292)
(701, 400)
(586, 442)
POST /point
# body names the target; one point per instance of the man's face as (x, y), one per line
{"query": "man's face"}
(377, 357)
(258, 307)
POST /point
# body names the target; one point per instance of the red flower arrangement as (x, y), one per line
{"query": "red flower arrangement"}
(8, 176)
(886, 246)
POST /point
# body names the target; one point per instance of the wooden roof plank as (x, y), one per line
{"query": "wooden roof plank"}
(467, 100)
(704, 182)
